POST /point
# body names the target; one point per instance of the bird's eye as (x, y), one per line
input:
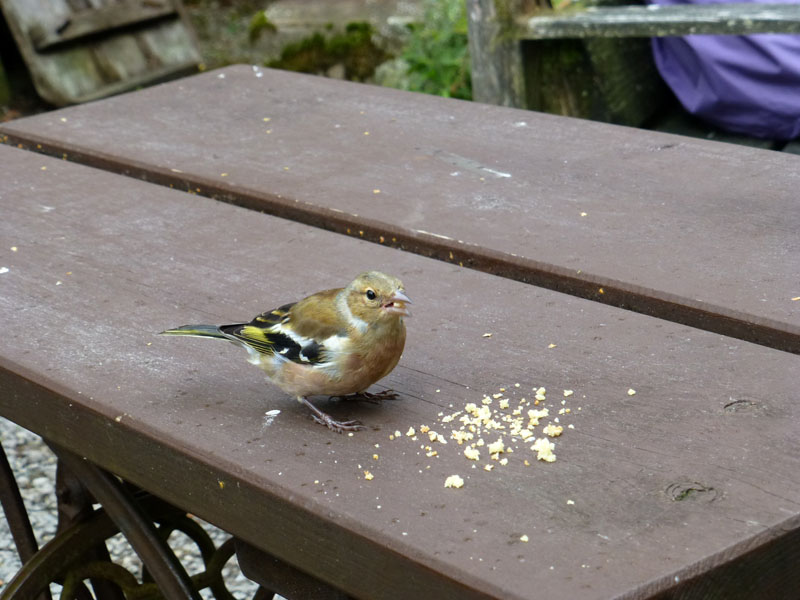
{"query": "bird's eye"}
(370, 295)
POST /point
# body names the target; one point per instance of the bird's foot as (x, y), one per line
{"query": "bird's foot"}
(337, 426)
(369, 397)
(329, 422)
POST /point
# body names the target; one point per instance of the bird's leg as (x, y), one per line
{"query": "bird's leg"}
(369, 397)
(327, 420)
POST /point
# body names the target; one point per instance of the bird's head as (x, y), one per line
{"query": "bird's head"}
(374, 297)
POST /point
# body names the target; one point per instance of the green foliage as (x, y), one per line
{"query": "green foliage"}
(353, 48)
(259, 24)
(437, 53)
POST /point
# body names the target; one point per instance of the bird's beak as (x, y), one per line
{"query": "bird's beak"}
(396, 304)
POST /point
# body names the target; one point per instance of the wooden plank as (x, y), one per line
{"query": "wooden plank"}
(101, 20)
(71, 61)
(689, 230)
(661, 20)
(668, 484)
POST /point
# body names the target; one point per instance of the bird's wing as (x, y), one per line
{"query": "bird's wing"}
(276, 332)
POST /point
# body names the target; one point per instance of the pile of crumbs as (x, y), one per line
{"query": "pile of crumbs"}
(502, 427)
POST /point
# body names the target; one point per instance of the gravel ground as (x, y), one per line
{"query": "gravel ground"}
(34, 466)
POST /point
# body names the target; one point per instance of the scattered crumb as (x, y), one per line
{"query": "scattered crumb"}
(631, 392)
(552, 430)
(454, 481)
(487, 335)
(504, 431)
(551, 345)
(368, 475)
(544, 449)
(472, 453)
(496, 447)
(570, 502)
(523, 538)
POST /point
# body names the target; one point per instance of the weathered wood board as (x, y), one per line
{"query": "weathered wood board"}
(650, 492)
(689, 230)
(81, 51)
(654, 20)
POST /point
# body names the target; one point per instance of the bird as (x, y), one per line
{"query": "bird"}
(336, 342)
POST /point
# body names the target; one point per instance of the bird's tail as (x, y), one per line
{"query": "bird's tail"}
(211, 331)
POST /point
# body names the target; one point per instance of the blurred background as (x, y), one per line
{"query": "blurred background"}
(60, 52)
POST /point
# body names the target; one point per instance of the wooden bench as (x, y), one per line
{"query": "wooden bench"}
(595, 62)
(660, 493)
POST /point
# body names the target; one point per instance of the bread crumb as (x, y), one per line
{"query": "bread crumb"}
(454, 481)
(487, 335)
(368, 476)
(496, 447)
(523, 538)
(544, 449)
(631, 392)
(411, 432)
(472, 453)
(534, 416)
(552, 430)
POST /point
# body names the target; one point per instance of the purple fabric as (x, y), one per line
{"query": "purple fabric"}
(743, 84)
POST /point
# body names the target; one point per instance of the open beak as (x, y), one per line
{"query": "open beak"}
(396, 304)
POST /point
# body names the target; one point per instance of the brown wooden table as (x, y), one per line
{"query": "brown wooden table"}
(685, 489)
(688, 230)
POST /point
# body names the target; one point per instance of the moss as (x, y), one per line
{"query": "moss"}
(259, 24)
(353, 48)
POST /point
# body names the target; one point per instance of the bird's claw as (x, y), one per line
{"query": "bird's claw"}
(337, 426)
